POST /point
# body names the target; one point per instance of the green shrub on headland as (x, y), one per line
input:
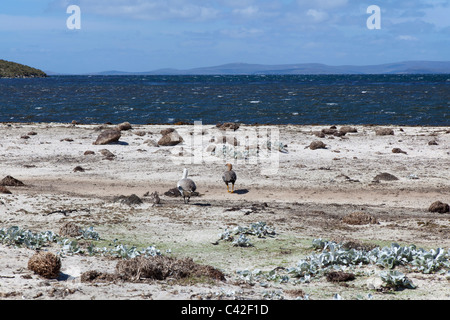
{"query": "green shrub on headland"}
(15, 70)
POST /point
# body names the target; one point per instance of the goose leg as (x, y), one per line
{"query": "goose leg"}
(232, 190)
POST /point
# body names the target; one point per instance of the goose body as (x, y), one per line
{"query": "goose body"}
(229, 176)
(186, 186)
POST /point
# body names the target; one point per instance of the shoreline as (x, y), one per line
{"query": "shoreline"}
(182, 123)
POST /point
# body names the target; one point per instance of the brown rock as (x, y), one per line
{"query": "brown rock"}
(167, 131)
(317, 145)
(4, 190)
(398, 150)
(228, 126)
(11, 182)
(385, 176)
(384, 132)
(439, 207)
(108, 136)
(170, 139)
(88, 152)
(348, 129)
(107, 154)
(124, 126)
(319, 134)
(329, 131)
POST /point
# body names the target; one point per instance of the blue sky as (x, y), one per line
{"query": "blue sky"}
(144, 35)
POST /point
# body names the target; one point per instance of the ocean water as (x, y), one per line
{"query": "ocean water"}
(263, 99)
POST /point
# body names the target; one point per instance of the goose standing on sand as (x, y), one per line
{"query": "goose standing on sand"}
(228, 177)
(186, 186)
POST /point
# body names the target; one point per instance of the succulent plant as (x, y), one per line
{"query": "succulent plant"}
(396, 280)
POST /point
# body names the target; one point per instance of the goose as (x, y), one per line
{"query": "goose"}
(186, 186)
(228, 177)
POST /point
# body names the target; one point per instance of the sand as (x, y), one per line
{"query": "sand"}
(303, 194)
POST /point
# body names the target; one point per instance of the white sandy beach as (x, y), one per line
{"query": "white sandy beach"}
(303, 193)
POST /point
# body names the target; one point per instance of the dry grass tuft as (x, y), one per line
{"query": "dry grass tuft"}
(45, 264)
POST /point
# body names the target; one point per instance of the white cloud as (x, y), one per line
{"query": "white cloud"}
(146, 9)
(317, 15)
(247, 12)
(407, 38)
(323, 4)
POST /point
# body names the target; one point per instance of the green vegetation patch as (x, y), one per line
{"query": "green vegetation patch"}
(10, 69)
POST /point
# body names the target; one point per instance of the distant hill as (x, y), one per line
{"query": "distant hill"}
(406, 67)
(10, 69)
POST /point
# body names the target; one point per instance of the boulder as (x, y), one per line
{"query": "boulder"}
(108, 136)
(348, 129)
(317, 145)
(124, 126)
(385, 176)
(228, 126)
(384, 132)
(439, 207)
(167, 131)
(11, 182)
(170, 139)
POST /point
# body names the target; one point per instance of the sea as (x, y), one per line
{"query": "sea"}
(416, 100)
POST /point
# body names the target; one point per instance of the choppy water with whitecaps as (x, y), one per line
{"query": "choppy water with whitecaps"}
(263, 99)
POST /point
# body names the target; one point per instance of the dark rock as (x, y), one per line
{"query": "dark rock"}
(439, 207)
(385, 176)
(170, 139)
(348, 129)
(108, 136)
(228, 126)
(78, 169)
(317, 145)
(124, 126)
(130, 200)
(88, 152)
(384, 132)
(4, 190)
(174, 192)
(319, 134)
(329, 131)
(398, 150)
(167, 131)
(11, 182)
